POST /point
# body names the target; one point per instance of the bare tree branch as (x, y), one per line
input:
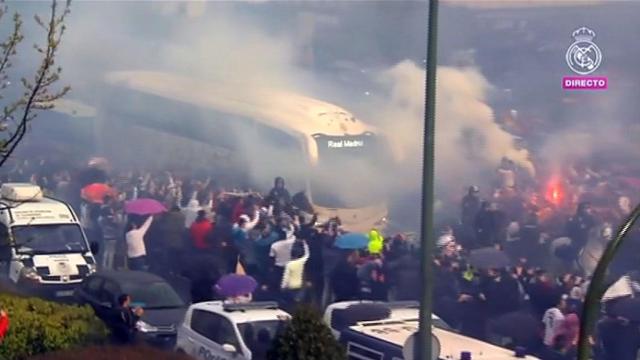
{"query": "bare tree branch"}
(37, 95)
(9, 46)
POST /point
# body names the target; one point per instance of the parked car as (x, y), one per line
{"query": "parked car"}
(163, 307)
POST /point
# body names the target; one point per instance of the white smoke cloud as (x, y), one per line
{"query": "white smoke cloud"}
(74, 108)
(211, 44)
(191, 8)
(468, 141)
(217, 44)
(591, 129)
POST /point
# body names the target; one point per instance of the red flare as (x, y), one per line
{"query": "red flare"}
(555, 193)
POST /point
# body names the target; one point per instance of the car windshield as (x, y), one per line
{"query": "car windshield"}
(49, 239)
(260, 334)
(155, 295)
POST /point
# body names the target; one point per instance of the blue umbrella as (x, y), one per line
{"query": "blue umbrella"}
(352, 241)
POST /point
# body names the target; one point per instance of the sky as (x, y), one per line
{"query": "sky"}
(367, 58)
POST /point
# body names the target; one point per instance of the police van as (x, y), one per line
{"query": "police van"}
(395, 340)
(395, 310)
(216, 330)
(392, 335)
(43, 249)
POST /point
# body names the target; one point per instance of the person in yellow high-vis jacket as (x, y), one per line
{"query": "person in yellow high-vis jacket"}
(376, 242)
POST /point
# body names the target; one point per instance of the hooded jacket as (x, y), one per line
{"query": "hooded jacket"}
(376, 242)
(279, 197)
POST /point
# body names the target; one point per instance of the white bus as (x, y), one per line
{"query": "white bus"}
(348, 160)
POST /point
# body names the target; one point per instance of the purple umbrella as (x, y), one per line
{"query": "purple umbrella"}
(144, 207)
(232, 285)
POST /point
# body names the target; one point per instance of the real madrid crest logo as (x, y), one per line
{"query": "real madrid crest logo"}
(583, 56)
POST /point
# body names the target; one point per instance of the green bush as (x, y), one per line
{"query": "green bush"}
(306, 337)
(38, 326)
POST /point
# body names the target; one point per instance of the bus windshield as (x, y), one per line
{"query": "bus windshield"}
(349, 171)
(49, 239)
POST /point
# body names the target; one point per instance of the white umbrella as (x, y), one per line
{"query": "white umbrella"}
(620, 288)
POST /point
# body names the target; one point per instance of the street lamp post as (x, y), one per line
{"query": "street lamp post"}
(424, 344)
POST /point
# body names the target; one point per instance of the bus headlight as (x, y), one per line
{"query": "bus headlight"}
(30, 273)
(382, 222)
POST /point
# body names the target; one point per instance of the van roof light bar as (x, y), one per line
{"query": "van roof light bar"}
(251, 306)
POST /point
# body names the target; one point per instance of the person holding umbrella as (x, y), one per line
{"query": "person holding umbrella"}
(136, 249)
(344, 278)
(109, 224)
(236, 288)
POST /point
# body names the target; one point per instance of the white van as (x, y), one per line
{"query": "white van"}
(43, 249)
(392, 336)
(394, 340)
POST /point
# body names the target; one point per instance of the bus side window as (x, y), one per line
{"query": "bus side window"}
(5, 246)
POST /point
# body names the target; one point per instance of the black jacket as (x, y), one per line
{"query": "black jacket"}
(123, 325)
(502, 295)
(345, 283)
(617, 341)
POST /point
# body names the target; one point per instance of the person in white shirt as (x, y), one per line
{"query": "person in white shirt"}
(292, 284)
(553, 321)
(136, 249)
(191, 212)
(280, 252)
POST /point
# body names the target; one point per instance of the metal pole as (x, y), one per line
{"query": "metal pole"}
(426, 229)
(596, 290)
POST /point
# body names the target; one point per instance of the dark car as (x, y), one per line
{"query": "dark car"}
(163, 307)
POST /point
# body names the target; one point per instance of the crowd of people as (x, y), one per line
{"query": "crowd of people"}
(275, 238)
(546, 230)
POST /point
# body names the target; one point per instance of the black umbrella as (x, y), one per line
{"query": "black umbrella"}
(91, 175)
(520, 326)
(628, 308)
(489, 258)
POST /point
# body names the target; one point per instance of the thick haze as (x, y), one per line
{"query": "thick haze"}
(367, 58)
